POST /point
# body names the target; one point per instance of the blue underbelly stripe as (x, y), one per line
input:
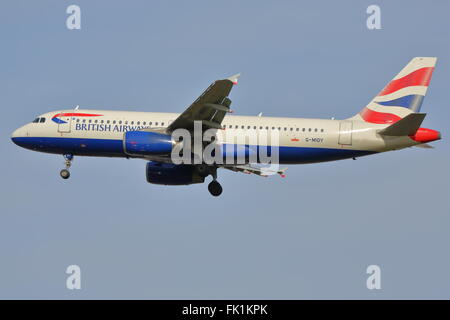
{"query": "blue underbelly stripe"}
(77, 146)
(114, 148)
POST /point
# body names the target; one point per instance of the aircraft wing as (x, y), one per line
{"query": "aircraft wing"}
(255, 169)
(210, 107)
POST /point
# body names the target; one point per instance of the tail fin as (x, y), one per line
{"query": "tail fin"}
(403, 95)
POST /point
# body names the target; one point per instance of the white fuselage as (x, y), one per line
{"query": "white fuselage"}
(100, 133)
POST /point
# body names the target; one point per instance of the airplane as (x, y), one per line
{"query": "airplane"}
(391, 121)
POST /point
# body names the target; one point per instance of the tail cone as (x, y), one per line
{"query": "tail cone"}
(424, 135)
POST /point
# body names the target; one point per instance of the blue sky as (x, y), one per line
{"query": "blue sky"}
(310, 235)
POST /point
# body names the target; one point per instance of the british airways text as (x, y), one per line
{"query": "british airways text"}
(107, 127)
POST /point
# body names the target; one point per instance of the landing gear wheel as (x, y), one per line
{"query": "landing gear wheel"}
(215, 188)
(65, 174)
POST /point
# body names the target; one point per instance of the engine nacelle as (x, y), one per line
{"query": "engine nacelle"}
(171, 174)
(142, 143)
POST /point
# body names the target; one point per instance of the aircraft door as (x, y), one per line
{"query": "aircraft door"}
(345, 132)
(65, 123)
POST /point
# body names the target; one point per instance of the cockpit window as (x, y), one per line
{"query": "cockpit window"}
(39, 120)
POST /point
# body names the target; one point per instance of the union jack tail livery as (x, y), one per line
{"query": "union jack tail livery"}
(403, 95)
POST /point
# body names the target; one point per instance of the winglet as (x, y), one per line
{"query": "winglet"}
(234, 78)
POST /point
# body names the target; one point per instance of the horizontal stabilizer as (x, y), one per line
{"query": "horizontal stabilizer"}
(406, 126)
(424, 145)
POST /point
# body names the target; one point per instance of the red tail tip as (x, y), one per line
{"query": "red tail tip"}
(426, 135)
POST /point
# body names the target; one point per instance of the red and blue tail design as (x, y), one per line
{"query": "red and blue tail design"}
(403, 95)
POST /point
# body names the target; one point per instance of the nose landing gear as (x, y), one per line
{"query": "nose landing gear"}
(65, 173)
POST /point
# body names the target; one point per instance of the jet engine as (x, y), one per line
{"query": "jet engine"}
(144, 143)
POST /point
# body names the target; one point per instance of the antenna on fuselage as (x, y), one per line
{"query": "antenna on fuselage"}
(77, 107)
(260, 114)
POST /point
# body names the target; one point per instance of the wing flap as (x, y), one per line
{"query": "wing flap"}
(258, 170)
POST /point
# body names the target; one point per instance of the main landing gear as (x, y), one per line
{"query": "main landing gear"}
(65, 173)
(214, 187)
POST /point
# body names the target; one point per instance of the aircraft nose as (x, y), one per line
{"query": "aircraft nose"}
(14, 136)
(17, 134)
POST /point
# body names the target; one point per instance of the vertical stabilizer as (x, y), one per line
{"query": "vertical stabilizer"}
(402, 95)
